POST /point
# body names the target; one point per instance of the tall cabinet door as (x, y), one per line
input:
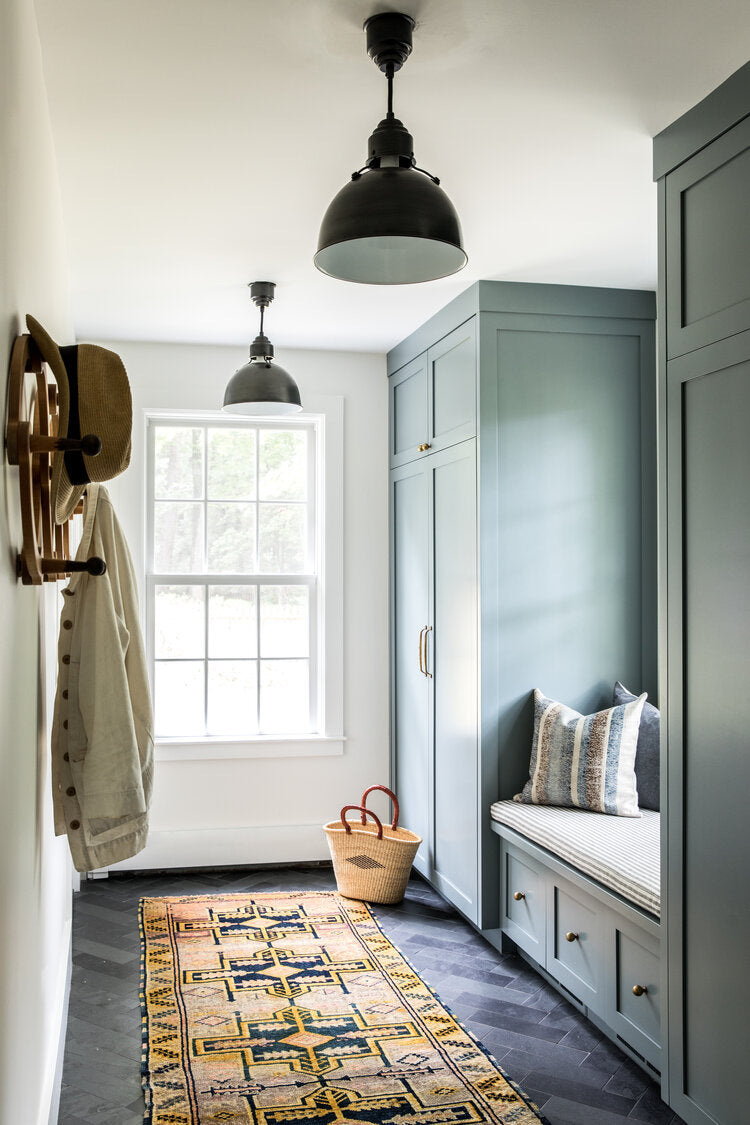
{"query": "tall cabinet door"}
(452, 660)
(708, 725)
(410, 618)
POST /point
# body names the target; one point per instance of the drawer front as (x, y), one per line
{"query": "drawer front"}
(637, 1016)
(524, 896)
(575, 947)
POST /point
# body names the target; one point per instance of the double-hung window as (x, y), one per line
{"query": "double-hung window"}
(234, 578)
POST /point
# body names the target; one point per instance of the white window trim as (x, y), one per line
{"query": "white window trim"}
(327, 411)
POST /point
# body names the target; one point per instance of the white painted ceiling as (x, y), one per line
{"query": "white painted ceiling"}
(200, 141)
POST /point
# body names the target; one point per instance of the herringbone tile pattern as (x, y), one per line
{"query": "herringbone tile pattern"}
(560, 1060)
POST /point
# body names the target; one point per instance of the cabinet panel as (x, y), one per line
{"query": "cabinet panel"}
(708, 721)
(572, 554)
(433, 398)
(452, 367)
(409, 411)
(524, 901)
(708, 244)
(637, 1015)
(453, 660)
(575, 949)
(410, 616)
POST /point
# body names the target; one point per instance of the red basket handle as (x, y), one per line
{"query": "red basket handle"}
(365, 812)
(389, 794)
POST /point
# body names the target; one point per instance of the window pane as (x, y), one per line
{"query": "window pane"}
(284, 697)
(178, 698)
(231, 538)
(283, 465)
(178, 538)
(180, 622)
(178, 454)
(232, 621)
(284, 621)
(233, 697)
(231, 464)
(282, 547)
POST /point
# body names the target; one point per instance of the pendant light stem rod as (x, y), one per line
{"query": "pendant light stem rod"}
(262, 310)
(389, 77)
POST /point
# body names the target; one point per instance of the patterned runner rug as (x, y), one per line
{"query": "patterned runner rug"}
(284, 1008)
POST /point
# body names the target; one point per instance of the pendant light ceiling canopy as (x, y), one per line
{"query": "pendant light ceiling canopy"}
(261, 386)
(392, 224)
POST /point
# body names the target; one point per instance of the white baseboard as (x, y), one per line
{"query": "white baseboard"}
(219, 847)
(52, 1083)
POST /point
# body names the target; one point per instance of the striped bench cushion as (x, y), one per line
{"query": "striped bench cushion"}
(620, 853)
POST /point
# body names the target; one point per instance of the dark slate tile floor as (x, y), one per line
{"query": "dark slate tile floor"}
(562, 1062)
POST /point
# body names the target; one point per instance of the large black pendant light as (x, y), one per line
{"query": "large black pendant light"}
(392, 224)
(261, 386)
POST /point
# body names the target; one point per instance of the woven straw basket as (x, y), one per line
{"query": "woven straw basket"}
(371, 862)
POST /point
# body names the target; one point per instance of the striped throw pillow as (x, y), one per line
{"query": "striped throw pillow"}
(584, 761)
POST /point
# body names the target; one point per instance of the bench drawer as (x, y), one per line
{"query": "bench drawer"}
(637, 1002)
(575, 950)
(524, 897)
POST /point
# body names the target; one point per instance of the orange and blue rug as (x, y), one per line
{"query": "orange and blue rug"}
(295, 1008)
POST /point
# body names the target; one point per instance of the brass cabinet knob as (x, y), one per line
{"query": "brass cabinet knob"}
(519, 895)
(640, 990)
(425, 445)
(571, 936)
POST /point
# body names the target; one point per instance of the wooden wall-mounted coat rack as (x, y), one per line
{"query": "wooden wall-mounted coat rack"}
(32, 441)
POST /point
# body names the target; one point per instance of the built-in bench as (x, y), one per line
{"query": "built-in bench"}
(580, 897)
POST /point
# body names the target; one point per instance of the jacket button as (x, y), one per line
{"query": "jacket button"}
(75, 824)
(65, 694)
(66, 659)
(65, 724)
(71, 791)
(66, 756)
(67, 624)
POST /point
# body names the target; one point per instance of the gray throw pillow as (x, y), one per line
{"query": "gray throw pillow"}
(647, 752)
(583, 761)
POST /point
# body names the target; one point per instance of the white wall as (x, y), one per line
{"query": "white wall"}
(35, 872)
(271, 809)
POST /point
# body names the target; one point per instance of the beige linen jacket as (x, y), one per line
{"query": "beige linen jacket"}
(102, 729)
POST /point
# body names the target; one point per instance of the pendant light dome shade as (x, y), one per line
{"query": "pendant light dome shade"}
(392, 224)
(261, 386)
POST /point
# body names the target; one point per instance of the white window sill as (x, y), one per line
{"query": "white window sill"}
(269, 746)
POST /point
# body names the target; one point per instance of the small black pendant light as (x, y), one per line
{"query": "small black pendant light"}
(261, 386)
(392, 224)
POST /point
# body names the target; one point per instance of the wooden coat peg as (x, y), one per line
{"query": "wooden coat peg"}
(32, 441)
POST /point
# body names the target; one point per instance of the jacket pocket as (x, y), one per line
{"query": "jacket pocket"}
(77, 741)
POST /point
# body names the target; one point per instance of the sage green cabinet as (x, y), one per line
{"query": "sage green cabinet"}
(600, 950)
(410, 568)
(537, 546)
(433, 521)
(708, 244)
(703, 166)
(433, 398)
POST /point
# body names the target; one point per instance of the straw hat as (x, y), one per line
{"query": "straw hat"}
(93, 398)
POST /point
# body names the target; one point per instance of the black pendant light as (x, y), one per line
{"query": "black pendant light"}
(261, 386)
(392, 224)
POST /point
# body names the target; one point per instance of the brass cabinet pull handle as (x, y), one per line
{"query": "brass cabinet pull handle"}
(425, 445)
(421, 634)
(427, 629)
(519, 895)
(640, 990)
(571, 936)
